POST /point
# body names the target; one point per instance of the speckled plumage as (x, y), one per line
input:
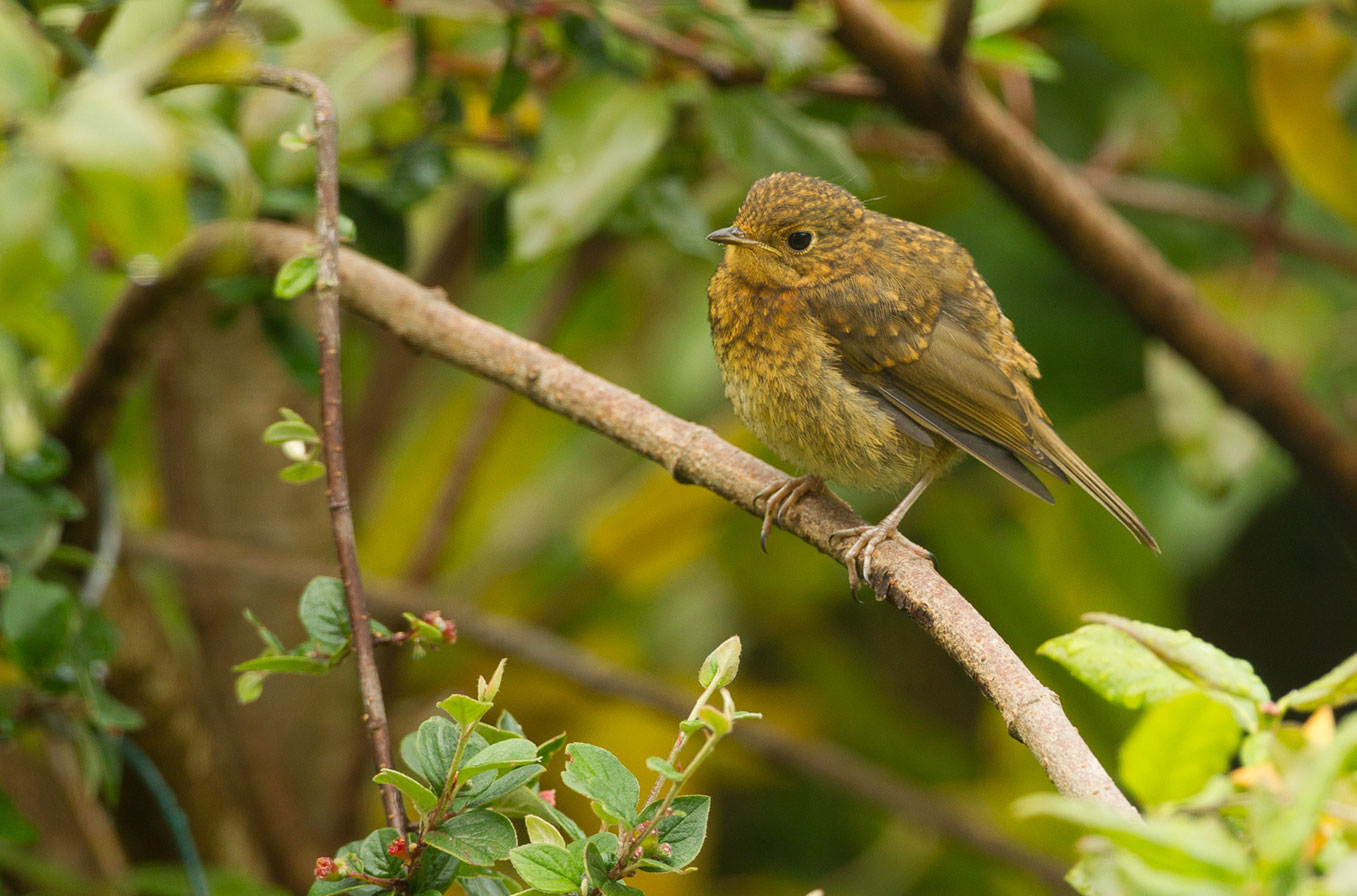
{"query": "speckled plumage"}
(867, 357)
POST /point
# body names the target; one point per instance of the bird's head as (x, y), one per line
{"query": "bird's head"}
(792, 229)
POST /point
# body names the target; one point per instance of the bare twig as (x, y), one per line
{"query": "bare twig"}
(811, 757)
(1157, 295)
(1201, 205)
(956, 29)
(587, 260)
(693, 453)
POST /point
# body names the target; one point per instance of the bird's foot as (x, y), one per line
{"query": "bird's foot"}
(781, 496)
(867, 538)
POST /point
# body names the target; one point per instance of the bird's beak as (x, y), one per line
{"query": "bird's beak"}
(732, 236)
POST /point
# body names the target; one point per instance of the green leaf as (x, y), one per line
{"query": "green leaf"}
(663, 768)
(35, 620)
(44, 464)
(684, 828)
(302, 471)
(477, 837)
(1176, 747)
(539, 831)
(249, 687)
(296, 276)
(463, 709)
(599, 775)
(549, 748)
(323, 612)
(288, 663)
(1198, 660)
(497, 787)
(372, 852)
(111, 714)
(487, 690)
(513, 80)
(423, 798)
(713, 718)
(548, 868)
(599, 136)
(290, 431)
(25, 516)
(617, 888)
(596, 862)
(758, 132)
(721, 665)
(1337, 687)
(504, 754)
(1201, 847)
(435, 746)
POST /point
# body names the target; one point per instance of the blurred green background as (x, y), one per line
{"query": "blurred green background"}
(555, 167)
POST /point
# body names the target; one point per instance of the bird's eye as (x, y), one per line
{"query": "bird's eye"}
(800, 240)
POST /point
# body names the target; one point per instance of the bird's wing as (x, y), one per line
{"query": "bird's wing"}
(911, 350)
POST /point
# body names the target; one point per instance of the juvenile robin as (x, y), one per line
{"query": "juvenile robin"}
(867, 350)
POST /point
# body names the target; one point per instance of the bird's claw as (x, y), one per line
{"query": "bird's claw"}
(779, 497)
(866, 540)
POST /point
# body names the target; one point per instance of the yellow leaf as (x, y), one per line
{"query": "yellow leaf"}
(1295, 65)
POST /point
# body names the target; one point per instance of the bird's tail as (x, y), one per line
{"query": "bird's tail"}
(1076, 469)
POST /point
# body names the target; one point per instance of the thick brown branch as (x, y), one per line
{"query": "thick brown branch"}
(541, 648)
(1159, 297)
(693, 453)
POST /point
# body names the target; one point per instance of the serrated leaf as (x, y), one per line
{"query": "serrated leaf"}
(1176, 747)
(476, 836)
(542, 831)
(504, 754)
(423, 798)
(548, 868)
(463, 709)
(594, 772)
(1336, 688)
(323, 612)
(1201, 847)
(296, 276)
(599, 136)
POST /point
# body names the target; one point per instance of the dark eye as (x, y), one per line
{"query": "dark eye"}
(800, 240)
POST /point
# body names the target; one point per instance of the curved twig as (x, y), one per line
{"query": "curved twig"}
(1160, 298)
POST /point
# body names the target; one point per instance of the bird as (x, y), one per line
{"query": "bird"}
(869, 352)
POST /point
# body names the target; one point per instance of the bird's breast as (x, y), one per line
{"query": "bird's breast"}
(782, 374)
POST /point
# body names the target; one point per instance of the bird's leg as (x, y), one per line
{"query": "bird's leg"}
(781, 496)
(868, 537)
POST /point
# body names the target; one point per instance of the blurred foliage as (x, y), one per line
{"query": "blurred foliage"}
(520, 137)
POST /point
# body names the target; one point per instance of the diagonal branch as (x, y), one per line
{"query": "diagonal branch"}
(692, 454)
(1160, 298)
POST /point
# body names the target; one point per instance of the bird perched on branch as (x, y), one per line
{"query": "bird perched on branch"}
(866, 350)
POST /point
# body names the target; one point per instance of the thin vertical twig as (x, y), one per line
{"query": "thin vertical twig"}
(331, 411)
(956, 29)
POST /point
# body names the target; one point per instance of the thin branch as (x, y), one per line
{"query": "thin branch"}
(810, 757)
(1161, 299)
(956, 29)
(586, 261)
(695, 454)
(1202, 205)
(327, 291)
